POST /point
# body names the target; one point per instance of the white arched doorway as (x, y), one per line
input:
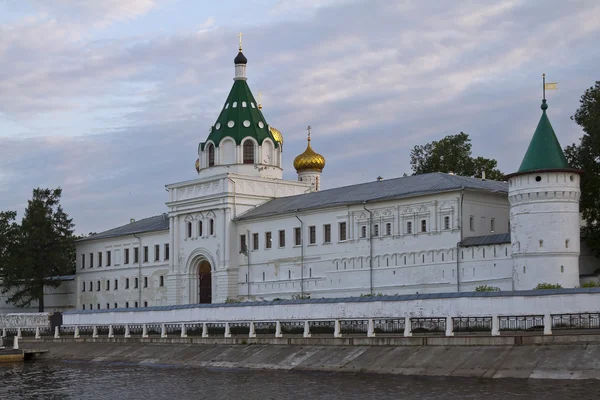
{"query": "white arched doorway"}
(201, 281)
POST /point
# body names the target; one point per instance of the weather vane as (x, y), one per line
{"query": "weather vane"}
(240, 37)
(547, 86)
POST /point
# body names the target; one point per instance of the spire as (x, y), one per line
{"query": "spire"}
(240, 62)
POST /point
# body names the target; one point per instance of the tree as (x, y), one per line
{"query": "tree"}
(36, 253)
(586, 156)
(452, 154)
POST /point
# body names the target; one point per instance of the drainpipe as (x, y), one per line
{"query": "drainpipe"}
(139, 269)
(370, 247)
(301, 255)
(460, 218)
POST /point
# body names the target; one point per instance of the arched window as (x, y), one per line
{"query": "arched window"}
(211, 155)
(189, 229)
(212, 226)
(200, 228)
(248, 152)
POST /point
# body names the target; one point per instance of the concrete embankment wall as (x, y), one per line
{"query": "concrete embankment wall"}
(557, 357)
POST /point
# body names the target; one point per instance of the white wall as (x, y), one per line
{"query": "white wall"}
(59, 299)
(484, 207)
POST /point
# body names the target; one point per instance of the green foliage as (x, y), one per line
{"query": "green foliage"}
(371, 294)
(542, 286)
(36, 253)
(486, 288)
(591, 284)
(229, 300)
(586, 156)
(300, 297)
(452, 154)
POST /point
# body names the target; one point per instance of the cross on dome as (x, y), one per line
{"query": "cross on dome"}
(240, 37)
(308, 129)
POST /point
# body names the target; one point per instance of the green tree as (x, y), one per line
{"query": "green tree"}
(36, 253)
(586, 156)
(452, 154)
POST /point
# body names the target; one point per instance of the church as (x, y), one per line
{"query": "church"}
(240, 232)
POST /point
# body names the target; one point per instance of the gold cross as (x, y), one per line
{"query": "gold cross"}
(308, 129)
(259, 95)
(240, 36)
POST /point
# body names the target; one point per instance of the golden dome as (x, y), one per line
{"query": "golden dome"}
(309, 160)
(276, 135)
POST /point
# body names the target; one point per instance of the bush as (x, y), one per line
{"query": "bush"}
(542, 286)
(230, 300)
(371, 295)
(591, 284)
(300, 297)
(486, 288)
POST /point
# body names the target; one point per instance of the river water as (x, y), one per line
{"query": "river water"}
(83, 380)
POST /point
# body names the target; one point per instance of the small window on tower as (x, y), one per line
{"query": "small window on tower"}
(248, 152)
(211, 155)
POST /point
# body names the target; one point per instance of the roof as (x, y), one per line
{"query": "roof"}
(409, 186)
(544, 151)
(499, 238)
(151, 224)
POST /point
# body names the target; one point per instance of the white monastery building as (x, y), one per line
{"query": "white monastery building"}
(240, 232)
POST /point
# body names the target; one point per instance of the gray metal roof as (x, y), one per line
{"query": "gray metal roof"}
(409, 186)
(151, 224)
(499, 238)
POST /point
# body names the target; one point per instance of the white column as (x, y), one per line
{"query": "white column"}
(306, 329)
(371, 329)
(495, 325)
(337, 333)
(407, 327)
(56, 332)
(19, 333)
(111, 332)
(16, 343)
(204, 330)
(95, 332)
(76, 334)
(227, 331)
(3, 332)
(144, 331)
(127, 333)
(252, 333)
(163, 331)
(278, 333)
(449, 326)
(547, 324)
(183, 331)
(37, 333)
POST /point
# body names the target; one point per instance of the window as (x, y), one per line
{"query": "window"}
(98, 306)
(376, 230)
(409, 227)
(83, 288)
(268, 240)
(91, 307)
(327, 233)
(212, 226)
(126, 304)
(211, 155)
(126, 283)
(116, 285)
(199, 228)
(91, 286)
(423, 225)
(82, 261)
(107, 284)
(156, 252)
(446, 222)
(145, 304)
(136, 283)
(248, 152)
(116, 305)
(342, 231)
(297, 237)
(98, 286)
(388, 229)
(243, 247)
(84, 306)
(145, 253)
(91, 260)
(189, 229)
(108, 259)
(145, 282)
(166, 251)
(541, 243)
(492, 225)
(136, 254)
(126, 256)
(281, 238)
(363, 231)
(107, 305)
(567, 243)
(136, 304)
(263, 276)
(100, 259)
(472, 223)
(312, 235)
(161, 282)
(255, 241)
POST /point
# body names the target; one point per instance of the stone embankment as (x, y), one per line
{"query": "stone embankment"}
(538, 357)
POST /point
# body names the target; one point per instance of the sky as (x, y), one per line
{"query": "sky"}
(109, 99)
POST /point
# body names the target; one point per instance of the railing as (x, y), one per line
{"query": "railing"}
(576, 321)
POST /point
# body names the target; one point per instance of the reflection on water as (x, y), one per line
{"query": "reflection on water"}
(73, 380)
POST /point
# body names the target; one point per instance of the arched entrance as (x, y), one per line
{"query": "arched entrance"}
(205, 283)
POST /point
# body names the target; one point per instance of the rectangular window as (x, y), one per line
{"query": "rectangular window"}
(116, 285)
(107, 285)
(166, 251)
(83, 288)
(189, 229)
(136, 254)
(98, 286)
(472, 223)
(312, 235)
(363, 231)
(84, 306)
(161, 282)
(136, 283)
(136, 304)
(107, 305)
(268, 240)
(342, 235)
(243, 247)
(91, 260)
(99, 258)
(145, 304)
(423, 225)
(156, 252)
(492, 225)
(82, 261)
(212, 226)
(126, 256)
(255, 241)
(126, 283)
(376, 230)
(116, 305)
(327, 233)
(446, 222)
(297, 237)
(409, 227)
(281, 238)
(388, 229)
(91, 286)
(199, 228)
(145, 253)
(108, 259)
(145, 282)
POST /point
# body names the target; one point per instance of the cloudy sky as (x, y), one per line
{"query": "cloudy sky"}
(109, 99)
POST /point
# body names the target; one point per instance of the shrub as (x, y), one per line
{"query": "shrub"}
(486, 288)
(544, 285)
(300, 297)
(371, 295)
(591, 284)
(230, 300)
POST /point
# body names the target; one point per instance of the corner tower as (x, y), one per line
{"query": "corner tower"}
(544, 213)
(240, 141)
(309, 166)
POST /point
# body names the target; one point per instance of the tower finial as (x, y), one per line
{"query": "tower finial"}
(308, 129)
(240, 37)
(543, 85)
(259, 95)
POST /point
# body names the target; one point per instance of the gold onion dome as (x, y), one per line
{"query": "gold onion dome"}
(309, 160)
(276, 135)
